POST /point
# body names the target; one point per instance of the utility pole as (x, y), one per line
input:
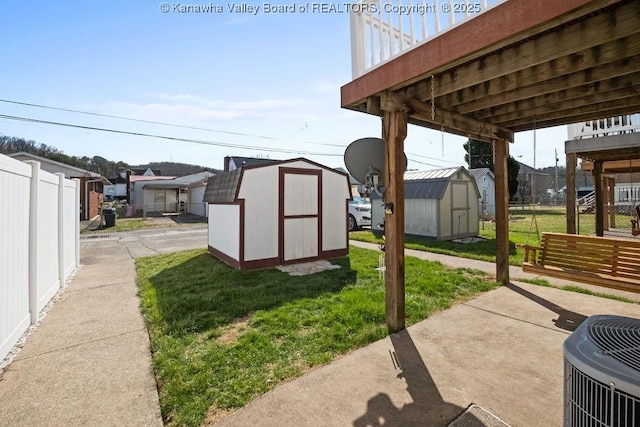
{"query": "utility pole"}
(556, 171)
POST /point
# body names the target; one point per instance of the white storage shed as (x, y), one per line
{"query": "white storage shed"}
(281, 212)
(440, 204)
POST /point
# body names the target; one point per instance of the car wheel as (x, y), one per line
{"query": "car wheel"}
(353, 225)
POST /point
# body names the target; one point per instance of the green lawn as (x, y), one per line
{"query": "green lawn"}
(221, 337)
(130, 224)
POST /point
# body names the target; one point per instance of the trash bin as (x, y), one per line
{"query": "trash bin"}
(109, 217)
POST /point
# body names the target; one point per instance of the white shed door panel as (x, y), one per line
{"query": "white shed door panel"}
(300, 194)
(300, 238)
(300, 210)
(460, 208)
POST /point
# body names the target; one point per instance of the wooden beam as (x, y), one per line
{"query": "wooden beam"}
(598, 29)
(582, 114)
(570, 192)
(502, 210)
(598, 183)
(564, 98)
(484, 131)
(575, 70)
(394, 133)
(546, 106)
(373, 105)
(618, 166)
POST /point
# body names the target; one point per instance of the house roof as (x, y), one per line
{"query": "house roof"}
(69, 170)
(528, 170)
(146, 171)
(136, 178)
(431, 184)
(480, 172)
(180, 182)
(445, 173)
(248, 161)
(222, 188)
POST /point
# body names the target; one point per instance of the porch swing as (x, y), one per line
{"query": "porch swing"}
(597, 261)
(635, 229)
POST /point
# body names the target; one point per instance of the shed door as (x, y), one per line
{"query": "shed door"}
(459, 208)
(300, 219)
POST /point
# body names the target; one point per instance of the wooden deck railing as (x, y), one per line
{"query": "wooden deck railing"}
(605, 127)
(381, 30)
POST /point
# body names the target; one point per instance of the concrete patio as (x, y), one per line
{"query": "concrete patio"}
(495, 360)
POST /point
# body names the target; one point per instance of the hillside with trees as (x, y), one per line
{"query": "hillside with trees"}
(106, 168)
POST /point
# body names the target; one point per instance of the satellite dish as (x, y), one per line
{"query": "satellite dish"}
(364, 159)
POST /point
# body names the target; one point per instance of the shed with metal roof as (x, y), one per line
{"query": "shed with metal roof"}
(440, 204)
(277, 212)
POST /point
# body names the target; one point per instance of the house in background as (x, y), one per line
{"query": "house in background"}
(169, 194)
(486, 182)
(91, 183)
(118, 188)
(531, 184)
(136, 197)
(277, 212)
(145, 172)
(441, 204)
(627, 189)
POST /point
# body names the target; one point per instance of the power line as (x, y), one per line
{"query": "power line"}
(170, 138)
(423, 163)
(432, 158)
(69, 110)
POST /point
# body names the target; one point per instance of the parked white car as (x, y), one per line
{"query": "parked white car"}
(359, 213)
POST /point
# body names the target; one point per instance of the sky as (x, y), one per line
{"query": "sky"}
(249, 82)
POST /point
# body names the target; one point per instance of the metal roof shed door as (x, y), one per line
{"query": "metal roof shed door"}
(460, 208)
(300, 207)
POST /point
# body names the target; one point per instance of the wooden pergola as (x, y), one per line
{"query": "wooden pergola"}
(522, 65)
(603, 157)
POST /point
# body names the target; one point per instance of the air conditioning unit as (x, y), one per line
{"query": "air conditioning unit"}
(602, 373)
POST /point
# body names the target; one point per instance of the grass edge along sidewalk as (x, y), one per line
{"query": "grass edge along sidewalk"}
(222, 337)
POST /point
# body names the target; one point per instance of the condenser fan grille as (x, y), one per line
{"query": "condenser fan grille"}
(590, 403)
(602, 373)
(618, 338)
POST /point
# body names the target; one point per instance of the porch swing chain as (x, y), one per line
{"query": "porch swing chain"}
(534, 219)
(433, 99)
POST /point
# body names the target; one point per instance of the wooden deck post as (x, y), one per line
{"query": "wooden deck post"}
(502, 210)
(598, 184)
(572, 164)
(394, 132)
(611, 197)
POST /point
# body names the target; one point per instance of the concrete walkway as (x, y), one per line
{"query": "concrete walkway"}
(493, 361)
(88, 362)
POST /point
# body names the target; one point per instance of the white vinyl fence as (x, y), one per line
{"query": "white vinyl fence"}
(39, 243)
